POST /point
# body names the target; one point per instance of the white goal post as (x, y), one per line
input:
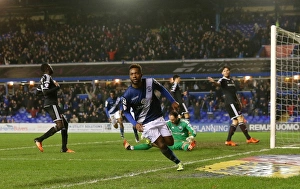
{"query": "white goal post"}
(285, 89)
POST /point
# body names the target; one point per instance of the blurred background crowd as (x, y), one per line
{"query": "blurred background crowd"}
(84, 103)
(36, 32)
(192, 32)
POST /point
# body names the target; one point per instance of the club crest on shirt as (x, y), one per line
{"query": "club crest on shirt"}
(230, 83)
(144, 101)
(149, 89)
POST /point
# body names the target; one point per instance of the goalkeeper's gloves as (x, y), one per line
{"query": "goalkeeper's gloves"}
(190, 138)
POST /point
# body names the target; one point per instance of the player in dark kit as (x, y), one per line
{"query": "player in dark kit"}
(233, 106)
(177, 94)
(48, 89)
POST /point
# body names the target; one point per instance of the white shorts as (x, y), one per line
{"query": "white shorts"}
(156, 128)
(114, 117)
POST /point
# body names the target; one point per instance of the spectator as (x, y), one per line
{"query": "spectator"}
(68, 115)
(33, 112)
(130, 41)
(90, 92)
(196, 87)
(94, 118)
(85, 118)
(197, 112)
(74, 119)
(30, 103)
(111, 54)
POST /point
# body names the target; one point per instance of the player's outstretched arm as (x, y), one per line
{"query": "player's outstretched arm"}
(215, 83)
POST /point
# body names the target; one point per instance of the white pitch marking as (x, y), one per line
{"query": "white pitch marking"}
(73, 144)
(71, 159)
(149, 171)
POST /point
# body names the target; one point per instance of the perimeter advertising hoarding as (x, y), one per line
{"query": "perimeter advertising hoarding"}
(223, 127)
(73, 127)
(107, 128)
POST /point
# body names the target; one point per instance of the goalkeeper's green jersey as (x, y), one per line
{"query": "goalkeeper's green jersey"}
(181, 130)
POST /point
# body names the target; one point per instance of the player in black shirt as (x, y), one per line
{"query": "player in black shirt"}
(233, 106)
(178, 94)
(48, 89)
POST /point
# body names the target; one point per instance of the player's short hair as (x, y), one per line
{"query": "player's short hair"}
(175, 77)
(226, 67)
(136, 66)
(44, 67)
(173, 113)
(112, 91)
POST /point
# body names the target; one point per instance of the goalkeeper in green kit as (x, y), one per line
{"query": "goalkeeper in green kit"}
(182, 131)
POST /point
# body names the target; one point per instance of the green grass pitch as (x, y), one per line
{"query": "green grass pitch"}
(101, 161)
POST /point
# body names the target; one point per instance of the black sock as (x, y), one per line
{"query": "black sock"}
(170, 155)
(64, 134)
(231, 132)
(136, 134)
(128, 147)
(64, 139)
(245, 131)
(48, 134)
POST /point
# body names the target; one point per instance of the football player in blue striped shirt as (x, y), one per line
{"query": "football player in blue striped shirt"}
(148, 116)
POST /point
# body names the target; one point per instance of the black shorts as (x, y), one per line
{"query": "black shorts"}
(234, 110)
(54, 111)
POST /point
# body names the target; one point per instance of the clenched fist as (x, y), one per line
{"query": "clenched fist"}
(139, 127)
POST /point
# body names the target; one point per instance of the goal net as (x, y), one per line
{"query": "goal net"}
(285, 89)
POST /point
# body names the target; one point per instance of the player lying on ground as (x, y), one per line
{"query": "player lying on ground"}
(182, 132)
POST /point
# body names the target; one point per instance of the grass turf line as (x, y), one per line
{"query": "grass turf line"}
(101, 161)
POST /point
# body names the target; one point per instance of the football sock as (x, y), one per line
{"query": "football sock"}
(129, 147)
(49, 133)
(136, 133)
(65, 123)
(170, 155)
(142, 147)
(231, 132)
(64, 139)
(64, 134)
(122, 131)
(244, 129)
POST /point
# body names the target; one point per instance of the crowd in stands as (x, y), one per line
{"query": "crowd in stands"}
(84, 103)
(126, 37)
(165, 35)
